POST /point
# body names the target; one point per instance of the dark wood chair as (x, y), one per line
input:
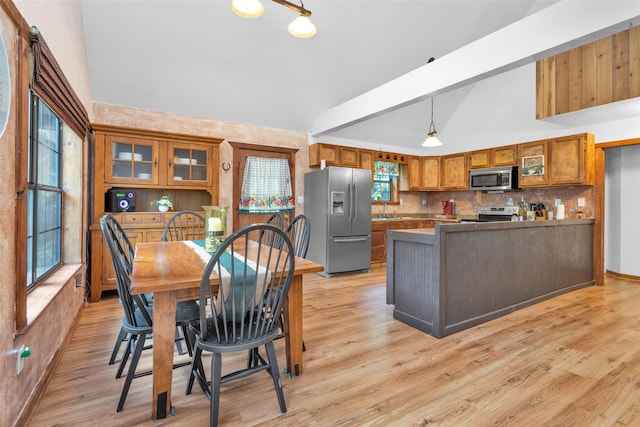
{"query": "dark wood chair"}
(244, 313)
(137, 322)
(184, 225)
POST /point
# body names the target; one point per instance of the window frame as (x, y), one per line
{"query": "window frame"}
(35, 187)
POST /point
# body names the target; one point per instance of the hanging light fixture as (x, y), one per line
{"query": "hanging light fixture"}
(301, 27)
(247, 8)
(432, 140)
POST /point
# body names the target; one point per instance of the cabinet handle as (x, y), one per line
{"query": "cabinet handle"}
(155, 163)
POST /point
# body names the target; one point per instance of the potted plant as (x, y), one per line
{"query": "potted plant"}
(164, 203)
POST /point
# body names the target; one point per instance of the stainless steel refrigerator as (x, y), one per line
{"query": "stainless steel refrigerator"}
(337, 202)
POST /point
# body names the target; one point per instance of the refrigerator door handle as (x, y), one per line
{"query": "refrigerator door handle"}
(351, 240)
(353, 204)
(350, 203)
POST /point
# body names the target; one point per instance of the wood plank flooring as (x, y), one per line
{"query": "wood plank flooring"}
(570, 361)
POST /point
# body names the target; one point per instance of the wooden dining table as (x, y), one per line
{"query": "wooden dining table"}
(172, 271)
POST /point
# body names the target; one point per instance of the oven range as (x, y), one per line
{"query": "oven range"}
(496, 213)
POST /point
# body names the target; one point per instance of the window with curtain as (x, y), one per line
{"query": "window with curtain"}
(266, 186)
(44, 224)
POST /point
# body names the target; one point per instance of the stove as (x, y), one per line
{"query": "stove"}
(496, 213)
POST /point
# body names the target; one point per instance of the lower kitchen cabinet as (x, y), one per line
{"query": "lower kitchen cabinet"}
(379, 235)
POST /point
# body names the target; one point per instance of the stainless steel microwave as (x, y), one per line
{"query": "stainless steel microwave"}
(494, 179)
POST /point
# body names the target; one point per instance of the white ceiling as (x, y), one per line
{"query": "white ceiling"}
(197, 58)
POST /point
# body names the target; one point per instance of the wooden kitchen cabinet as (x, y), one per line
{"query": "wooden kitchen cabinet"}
(430, 178)
(504, 156)
(571, 160)
(335, 155)
(366, 160)
(424, 173)
(568, 160)
(494, 157)
(454, 172)
(480, 159)
(379, 234)
(534, 150)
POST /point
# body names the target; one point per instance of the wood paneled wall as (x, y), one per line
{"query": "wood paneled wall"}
(603, 71)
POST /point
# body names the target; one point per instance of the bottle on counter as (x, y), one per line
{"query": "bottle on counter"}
(522, 210)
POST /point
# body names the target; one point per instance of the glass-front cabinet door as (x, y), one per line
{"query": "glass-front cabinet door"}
(131, 160)
(189, 164)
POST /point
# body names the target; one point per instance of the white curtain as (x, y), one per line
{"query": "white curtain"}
(266, 185)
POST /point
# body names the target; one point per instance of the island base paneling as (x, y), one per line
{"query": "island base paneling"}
(455, 276)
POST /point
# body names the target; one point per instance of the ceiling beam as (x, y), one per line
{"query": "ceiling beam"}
(555, 29)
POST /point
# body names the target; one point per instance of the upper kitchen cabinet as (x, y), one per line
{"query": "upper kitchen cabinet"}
(494, 157)
(566, 160)
(366, 159)
(454, 172)
(334, 155)
(534, 158)
(424, 173)
(571, 160)
(504, 156)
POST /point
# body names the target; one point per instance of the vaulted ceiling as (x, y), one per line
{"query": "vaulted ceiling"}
(197, 58)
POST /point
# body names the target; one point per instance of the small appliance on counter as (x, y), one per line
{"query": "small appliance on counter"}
(448, 207)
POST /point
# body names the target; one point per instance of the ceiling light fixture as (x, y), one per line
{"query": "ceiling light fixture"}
(301, 27)
(432, 140)
(247, 8)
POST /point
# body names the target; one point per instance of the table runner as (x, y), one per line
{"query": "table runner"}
(238, 268)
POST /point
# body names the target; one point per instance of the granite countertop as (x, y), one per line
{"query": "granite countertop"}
(419, 216)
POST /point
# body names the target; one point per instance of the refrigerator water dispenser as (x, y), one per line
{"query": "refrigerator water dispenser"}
(337, 203)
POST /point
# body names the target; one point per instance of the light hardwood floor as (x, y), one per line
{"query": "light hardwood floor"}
(570, 361)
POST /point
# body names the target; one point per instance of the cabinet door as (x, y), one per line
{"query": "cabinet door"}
(479, 159)
(430, 173)
(504, 156)
(567, 160)
(326, 152)
(414, 167)
(454, 172)
(366, 160)
(533, 154)
(130, 160)
(349, 157)
(189, 165)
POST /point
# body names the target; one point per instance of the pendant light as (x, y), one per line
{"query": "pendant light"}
(247, 8)
(301, 27)
(432, 140)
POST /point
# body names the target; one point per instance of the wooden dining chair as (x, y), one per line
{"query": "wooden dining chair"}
(243, 312)
(137, 322)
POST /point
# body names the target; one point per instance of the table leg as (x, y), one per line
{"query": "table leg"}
(164, 326)
(293, 327)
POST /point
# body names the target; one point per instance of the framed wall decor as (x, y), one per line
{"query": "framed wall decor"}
(533, 165)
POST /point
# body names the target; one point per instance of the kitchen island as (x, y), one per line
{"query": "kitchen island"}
(445, 279)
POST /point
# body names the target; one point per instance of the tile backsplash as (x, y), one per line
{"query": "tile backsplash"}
(467, 202)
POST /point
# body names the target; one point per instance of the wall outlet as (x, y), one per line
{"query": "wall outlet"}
(20, 364)
(301, 199)
(557, 202)
(581, 202)
(424, 202)
(401, 202)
